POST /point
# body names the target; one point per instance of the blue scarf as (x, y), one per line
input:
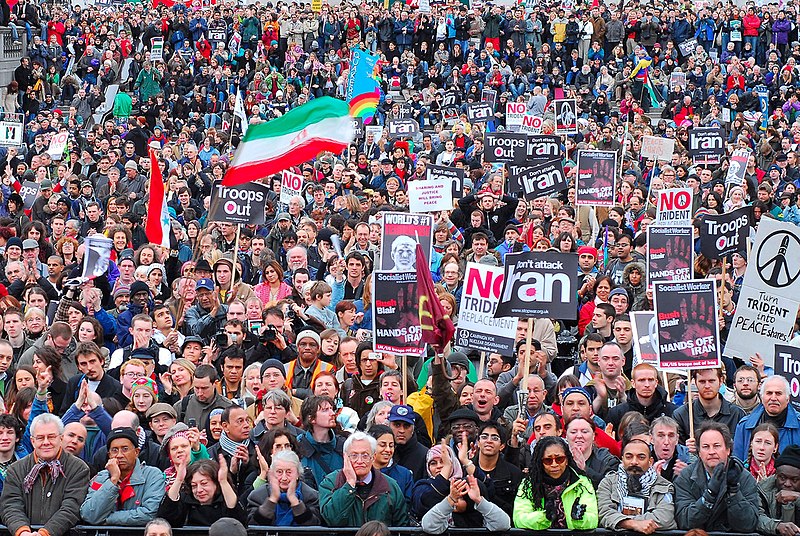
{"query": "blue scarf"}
(283, 510)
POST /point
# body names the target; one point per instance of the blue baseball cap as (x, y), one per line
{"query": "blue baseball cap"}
(402, 413)
(205, 283)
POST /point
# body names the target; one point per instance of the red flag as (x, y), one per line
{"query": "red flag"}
(437, 328)
(157, 225)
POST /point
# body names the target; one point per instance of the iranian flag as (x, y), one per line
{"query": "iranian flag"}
(324, 124)
(157, 226)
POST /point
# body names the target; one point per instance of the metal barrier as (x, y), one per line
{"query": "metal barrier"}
(83, 530)
(10, 48)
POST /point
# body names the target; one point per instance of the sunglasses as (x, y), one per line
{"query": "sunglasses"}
(558, 460)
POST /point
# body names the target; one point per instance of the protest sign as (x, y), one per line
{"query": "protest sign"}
(659, 148)
(531, 124)
(688, 47)
(670, 253)
(454, 176)
(157, 49)
(706, 144)
(787, 364)
(358, 127)
(242, 204)
(291, 185)
(450, 98)
(395, 308)
(97, 255)
(767, 306)
(404, 110)
(595, 181)
(723, 234)
(401, 128)
(506, 147)
(375, 130)
(515, 111)
(539, 285)
(479, 112)
(478, 329)
(543, 148)
(737, 168)
(688, 332)
(538, 178)
(677, 79)
(29, 192)
(430, 196)
(645, 337)
(566, 111)
(10, 133)
(489, 96)
(399, 235)
(57, 144)
(674, 206)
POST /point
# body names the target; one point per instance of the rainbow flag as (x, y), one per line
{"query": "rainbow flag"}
(363, 91)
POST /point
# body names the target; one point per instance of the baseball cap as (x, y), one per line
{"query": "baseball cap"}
(205, 283)
(402, 413)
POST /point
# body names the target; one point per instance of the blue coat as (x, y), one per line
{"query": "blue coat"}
(101, 504)
(789, 433)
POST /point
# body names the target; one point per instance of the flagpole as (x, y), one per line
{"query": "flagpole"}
(527, 359)
(689, 397)
(230, 135)
(235, 256)
(482, 365)
(404, 359)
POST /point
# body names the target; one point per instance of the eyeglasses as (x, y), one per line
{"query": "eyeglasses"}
(557, 460)
(746, 380)
(364, 457)
(463, 426)
(487, 437)
(134, 375)
(41, 438)
(117, 450)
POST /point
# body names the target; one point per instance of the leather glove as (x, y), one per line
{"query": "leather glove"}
(733, 474)
(715, 484)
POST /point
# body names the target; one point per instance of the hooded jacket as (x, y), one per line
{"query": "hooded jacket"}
(637, 295)
(534, 517)
(660, 406)
(322, 458)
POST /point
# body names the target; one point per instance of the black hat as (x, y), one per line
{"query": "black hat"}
(139, 286)
(273, 363)
(202, 266)
(464, 413)
(124, 433)
(14, 241)
(789, 456)
(148, 353)
(125, 254)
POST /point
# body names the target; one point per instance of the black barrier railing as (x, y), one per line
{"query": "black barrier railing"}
(88, 530)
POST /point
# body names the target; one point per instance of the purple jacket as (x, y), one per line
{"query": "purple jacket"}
(780, 31)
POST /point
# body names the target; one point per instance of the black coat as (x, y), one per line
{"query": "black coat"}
(107, 388)
(187, 511)
(412, 456)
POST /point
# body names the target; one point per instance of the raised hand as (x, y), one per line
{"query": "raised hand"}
(263, 466)
(349, 472)
(474, 490)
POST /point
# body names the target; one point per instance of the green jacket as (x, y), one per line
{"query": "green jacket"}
(770, 513)
(148, 84)
(342, 507)
(526, 516)
(122, 105)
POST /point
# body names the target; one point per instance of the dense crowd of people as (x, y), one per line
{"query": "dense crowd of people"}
(232, 375)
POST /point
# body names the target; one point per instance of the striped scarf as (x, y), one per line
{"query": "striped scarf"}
(55, 471)
(229, 445)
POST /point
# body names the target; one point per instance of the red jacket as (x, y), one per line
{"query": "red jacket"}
(751, 24)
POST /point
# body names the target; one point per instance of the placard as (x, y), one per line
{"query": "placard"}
(97, 255)
(450, 99)
(688, 47)
(291, 185)
(674, 206)
(243, 204)
(157, 49)
(724, 234)
(670, 253)
(515, 111)
(531, 124)
(737, 168)
(538, 179)
(453, 175)
(478, 329)
(787, 364)
(401, 128)
(490, 96)
(29, 191)
(677, 79)
(429, 196)
(706, 143)
(595, 181)
(10, 133)
(395, 310)
(659, 148)
(57, 144)
(507, 147)
(479, 112)
(539, 284)
(566, 111)
(358, 127)
(688, 331)
(645, 337)
(543, 148)
(399, 235)
(767, 306)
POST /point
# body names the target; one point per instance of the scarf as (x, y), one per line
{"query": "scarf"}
(229, 445)
(284, 517)
(646, 481)
(769, 469)
(54, 467)
(553, 505)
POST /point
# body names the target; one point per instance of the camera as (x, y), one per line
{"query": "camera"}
(269, 335)
(221, 339)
